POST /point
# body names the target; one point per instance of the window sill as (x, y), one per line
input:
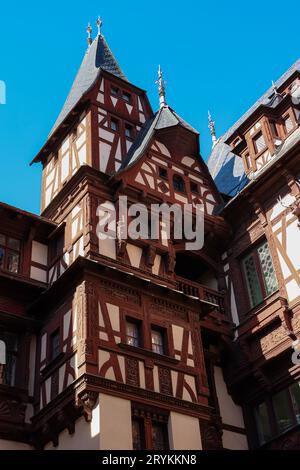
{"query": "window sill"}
(265, 445)
(148, 353)
(262, 304)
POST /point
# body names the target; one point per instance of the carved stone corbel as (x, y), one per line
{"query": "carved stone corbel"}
(87, 400)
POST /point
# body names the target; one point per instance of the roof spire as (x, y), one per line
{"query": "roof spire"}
(211, 126)
(89, 31)
(274, 87)
(161, 89)
(99, 24)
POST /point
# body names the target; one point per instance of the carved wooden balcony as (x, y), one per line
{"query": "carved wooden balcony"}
(193, 289)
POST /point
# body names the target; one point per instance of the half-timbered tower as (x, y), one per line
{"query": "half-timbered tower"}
(124, 342)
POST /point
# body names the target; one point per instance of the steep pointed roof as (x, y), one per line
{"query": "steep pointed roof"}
(165, 117)
(97, 57)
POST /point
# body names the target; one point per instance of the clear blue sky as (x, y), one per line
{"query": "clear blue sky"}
(217, 55)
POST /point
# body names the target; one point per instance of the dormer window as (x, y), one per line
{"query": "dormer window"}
(288, 124)
(163, 173)
(126, 96)
(259, 143)
(194, 188)
(114, 124)
(274, 130)
(114, 91)
(178, 184)
(129, 131)
(247, 159)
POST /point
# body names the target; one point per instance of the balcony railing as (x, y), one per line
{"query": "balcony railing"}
(202, 292)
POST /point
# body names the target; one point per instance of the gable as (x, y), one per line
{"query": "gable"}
(121, 114)
(155, 171)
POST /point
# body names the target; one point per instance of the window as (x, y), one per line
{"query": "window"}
(54, 345)
(133, 333)
(285, 405)
(114, 90)
(283, 411)
(248, 160)
(274, 129)
(11, 345)
(149, 429)
(159, 436)
(57, 247)
(288, 124)
(157, 341)
(129, 131)
(9, 254)
(163, 173)
(259, 273)
(114, 124)
(126, 96)
(138, 437)
(259, 143)
(178, 183)
(194, 188)
(262, 423)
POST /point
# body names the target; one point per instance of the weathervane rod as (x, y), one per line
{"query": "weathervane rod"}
(161, 88)
(211, 126)
(89, 31)
(99, 24)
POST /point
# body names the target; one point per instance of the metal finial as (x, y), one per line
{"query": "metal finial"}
(89, 31)
(274, 87)
(99, 24)
(161, 88)
(211, 126)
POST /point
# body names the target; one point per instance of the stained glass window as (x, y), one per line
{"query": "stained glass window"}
(260, 274)
(253, 284)
(267, 268)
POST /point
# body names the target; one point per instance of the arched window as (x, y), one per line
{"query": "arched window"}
(178, 183)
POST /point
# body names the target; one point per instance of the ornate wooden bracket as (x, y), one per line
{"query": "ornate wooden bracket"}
(285, 317)
(87, 400)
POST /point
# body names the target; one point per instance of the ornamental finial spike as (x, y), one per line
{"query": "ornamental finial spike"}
(161, 88)
(274, 87)
(211, 126)
(89, 31)
(99, 24)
